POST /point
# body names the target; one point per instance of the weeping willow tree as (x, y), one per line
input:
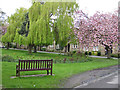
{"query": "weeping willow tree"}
(40, 32)
(63, 27)
(22, 32)
(14, 25)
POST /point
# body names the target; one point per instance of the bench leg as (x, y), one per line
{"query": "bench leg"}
(51, 72)
(17, 73)
(47, 72)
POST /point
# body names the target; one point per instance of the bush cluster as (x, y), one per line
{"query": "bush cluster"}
(8, 58)
(97, 53)
(79, 53)
(115, 55)
(86, 53)
(50, 50)
(71, 53)
(73, 60)
(11, 46)
(43, 49)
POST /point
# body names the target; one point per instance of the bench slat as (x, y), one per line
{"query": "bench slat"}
(45, 64)
(24, 65)
(38, 64)
(21, 65)
(31, 65)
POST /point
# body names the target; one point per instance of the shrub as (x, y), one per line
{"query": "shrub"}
(14, 46)
(11, 45)
(115, 55)
(64, 60)
(90, 53)
(70, 53)
(43, 49)
(95, 53)
(8, 58)
(73, 52)
(98, 53)
(86, 53)
(50, 50)
(80, 53)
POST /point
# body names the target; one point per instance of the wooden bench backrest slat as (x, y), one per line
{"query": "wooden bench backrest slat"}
(38, 64)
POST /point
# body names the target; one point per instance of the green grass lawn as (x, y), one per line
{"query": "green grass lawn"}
(19, 54)
(62, 71)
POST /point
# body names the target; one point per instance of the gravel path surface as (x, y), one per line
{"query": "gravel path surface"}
(0, 87)
(88, 76)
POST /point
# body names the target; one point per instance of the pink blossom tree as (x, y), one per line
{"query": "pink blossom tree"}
(99, 29)
(83, 29)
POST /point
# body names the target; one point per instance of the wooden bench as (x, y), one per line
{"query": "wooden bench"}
(32, 65)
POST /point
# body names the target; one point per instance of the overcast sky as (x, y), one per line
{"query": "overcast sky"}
(89, 6)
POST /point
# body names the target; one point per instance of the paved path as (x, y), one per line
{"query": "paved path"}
(108, 81)
(88, 76)
(101, 57)
(0, 87)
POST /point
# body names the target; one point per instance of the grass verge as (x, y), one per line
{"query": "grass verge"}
(62, 71)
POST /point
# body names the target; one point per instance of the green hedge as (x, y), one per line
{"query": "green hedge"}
(86, 53)
(90, 53)
(8, 58)
(43, 49)
(96, 53)
(115, 55)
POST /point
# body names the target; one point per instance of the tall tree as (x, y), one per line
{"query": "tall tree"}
(99, 29)
(106, 26)
(62, 26)
(40, 32)
(82, 29)
(14, 24)
(3, 24)
(2, 17)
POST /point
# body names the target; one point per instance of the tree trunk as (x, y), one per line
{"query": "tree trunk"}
(65, 49)
(109, 53)
(108, 50)
(30, 48)
(8, 45)
(46, 49)
(35, 49)
(68, 47)
(16, 46)
(40, 48)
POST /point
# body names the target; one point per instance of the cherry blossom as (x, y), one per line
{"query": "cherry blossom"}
(101, 28)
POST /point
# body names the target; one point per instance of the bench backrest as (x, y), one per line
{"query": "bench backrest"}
(29, 65)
